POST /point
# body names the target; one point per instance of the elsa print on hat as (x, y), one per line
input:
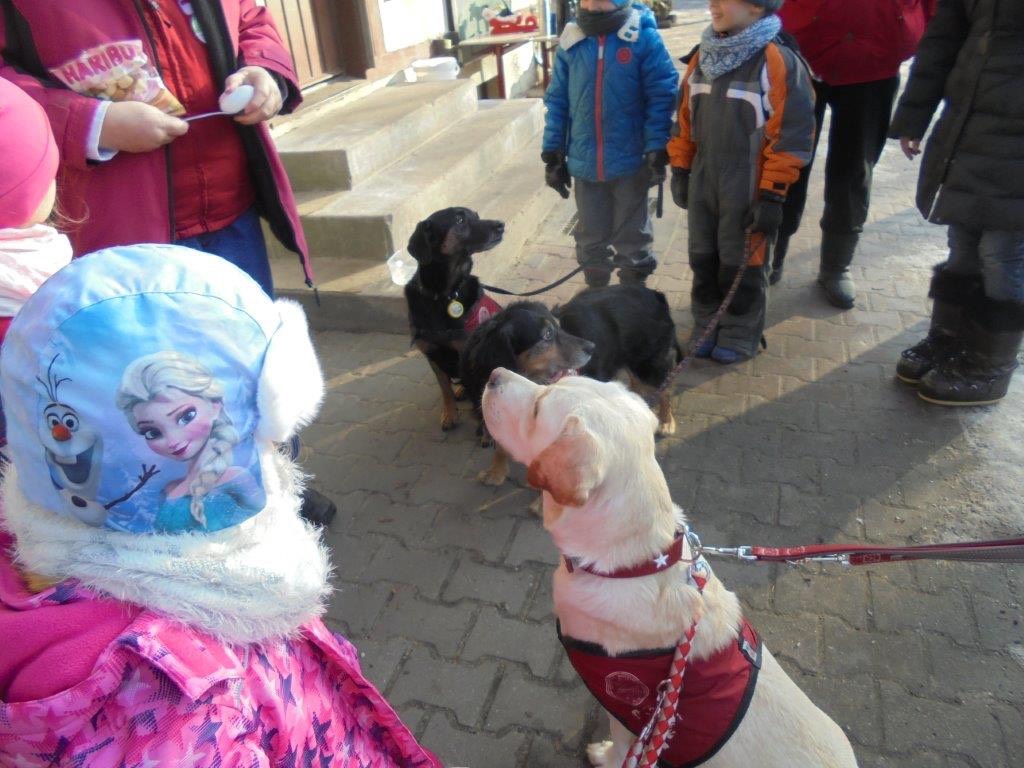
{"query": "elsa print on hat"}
(131, 382)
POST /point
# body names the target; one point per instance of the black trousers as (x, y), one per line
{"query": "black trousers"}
(860, 122)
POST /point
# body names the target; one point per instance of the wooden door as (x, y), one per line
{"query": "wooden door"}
(310, 28)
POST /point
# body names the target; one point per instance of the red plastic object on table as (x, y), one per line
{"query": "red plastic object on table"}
(520, 22)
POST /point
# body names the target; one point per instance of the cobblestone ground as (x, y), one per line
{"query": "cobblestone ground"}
(443, 583)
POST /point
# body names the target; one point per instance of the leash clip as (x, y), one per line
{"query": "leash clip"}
(839, 559)
(742, 553)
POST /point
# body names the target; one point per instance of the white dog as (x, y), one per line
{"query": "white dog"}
(590, 447)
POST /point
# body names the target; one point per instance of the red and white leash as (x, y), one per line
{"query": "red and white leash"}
(997, 551)
(657, 734)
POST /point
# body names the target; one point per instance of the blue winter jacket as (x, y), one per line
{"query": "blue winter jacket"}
(611, 98)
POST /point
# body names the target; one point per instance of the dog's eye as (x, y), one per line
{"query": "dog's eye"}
(548, 334)
(460, 220)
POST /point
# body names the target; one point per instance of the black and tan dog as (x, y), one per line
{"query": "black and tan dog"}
(444, 298)
(525, 338)
(632, 330)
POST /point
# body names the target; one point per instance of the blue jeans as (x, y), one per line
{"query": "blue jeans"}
(998, 256)
(240, 242)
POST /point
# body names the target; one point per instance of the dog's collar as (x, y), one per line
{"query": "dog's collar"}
(662, 562)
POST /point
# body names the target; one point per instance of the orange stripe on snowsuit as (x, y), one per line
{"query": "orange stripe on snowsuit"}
(789, 129)
(681, 148)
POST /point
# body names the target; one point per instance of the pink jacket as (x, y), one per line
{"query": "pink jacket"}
(126, 200)
(94, 683)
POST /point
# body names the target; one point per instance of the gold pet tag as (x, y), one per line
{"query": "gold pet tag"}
(455, 309)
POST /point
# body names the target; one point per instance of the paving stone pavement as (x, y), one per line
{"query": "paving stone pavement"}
(444, 584)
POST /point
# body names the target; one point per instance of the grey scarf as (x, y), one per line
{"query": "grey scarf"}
(721, 54)
(602, 23)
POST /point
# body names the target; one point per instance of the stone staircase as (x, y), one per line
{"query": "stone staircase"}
(368, 170)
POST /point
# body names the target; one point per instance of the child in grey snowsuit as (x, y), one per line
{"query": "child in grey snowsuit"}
(746, 127)
(609, 113)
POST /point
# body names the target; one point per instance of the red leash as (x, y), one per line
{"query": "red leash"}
(997, 551)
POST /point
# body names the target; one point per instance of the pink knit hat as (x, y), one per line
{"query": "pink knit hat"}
(29, 155)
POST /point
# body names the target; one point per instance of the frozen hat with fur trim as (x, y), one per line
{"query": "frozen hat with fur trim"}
(142, 383)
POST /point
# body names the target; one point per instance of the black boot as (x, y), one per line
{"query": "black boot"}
(981, 373)
(317, 508)
(951, 292)
(778, 258)
(834, 273)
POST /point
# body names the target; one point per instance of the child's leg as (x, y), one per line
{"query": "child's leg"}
(632, 233)
(594, 206)
(705, 295)
(742, 324)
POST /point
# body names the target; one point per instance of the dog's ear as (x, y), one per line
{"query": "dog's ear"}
(422, 243)
(571, 467)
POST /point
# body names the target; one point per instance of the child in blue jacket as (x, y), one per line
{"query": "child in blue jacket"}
(609, 114)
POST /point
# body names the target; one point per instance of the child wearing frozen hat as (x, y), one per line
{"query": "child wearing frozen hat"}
(159, 593)
(30, 250)
(609, 113)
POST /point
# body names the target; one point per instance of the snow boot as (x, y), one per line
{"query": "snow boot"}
(834, 271)
(951, 293)
(980, 374)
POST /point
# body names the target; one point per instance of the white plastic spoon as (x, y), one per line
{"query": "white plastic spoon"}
(229, 103)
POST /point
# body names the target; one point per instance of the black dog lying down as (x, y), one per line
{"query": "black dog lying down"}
(524, 338)
(598, 333)
(632, 330)
(444, 298)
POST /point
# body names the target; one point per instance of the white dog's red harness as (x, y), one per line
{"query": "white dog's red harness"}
(677, 726)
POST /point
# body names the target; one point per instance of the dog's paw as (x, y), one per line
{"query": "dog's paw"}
(459, 391)
(448, 421)
(599, 752)
(667, 428)
(492, 477)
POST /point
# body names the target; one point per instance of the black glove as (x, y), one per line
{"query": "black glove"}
(681, 187)
(556, 172)
(656, 162)
(765, 217)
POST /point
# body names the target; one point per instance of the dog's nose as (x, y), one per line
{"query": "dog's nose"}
(495, 378)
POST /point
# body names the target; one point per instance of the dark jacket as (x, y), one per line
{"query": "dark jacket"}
(972, 58)
(126, 200)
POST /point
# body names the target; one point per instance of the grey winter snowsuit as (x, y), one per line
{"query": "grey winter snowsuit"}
(745, 132)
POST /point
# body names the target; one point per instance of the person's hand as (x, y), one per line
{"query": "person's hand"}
(680, 187)
(134, 126)
(656, 162)
(556, 173)
(765, 216)
(266, 100)
(911, 147)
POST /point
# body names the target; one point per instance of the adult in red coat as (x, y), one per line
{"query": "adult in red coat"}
(115, 78)
(854, 48)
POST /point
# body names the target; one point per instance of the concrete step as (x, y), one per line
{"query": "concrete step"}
(365, 225)
(347, 144)
(365, 299)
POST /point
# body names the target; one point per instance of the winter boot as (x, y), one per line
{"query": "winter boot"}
(778, 259)
(951, 292)
(981, 373)
(834, 273)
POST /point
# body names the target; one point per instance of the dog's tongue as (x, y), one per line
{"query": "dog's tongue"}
(562, 374)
